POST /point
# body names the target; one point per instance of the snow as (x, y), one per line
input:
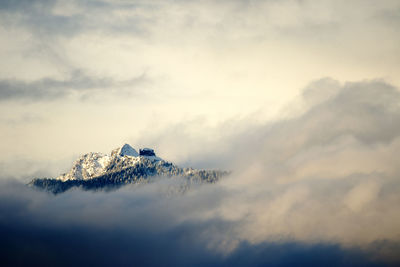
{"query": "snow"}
(153, 158)
(92, 164)
(103, 161)
(87, 167)
(103, 166)
(127, 150)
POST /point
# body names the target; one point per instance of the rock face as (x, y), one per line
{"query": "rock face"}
(125, 150)
(95, 171)
(146, 152)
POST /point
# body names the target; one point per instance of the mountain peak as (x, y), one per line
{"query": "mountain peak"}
(127, 150)
(125, 165)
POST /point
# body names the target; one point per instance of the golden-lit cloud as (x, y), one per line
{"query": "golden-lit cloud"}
(299, 99)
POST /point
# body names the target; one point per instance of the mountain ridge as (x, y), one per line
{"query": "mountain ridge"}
(97, 171)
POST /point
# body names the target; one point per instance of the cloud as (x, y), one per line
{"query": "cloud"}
(320, 187)
(328, 172)
(37, 15)
(332, 118)
(138, 226)
(68, 19)
(229, 19)
(51, 89)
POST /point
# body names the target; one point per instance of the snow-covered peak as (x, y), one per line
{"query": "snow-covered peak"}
(93, 165)
(93, 171)
(86, 167)
(127, 150)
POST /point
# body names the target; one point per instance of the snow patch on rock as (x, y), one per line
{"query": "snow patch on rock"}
(127, 150)
(92, 164)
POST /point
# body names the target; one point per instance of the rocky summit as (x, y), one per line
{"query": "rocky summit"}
(124, 165)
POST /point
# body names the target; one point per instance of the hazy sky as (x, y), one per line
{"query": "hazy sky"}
(78, 76)
(300, 99)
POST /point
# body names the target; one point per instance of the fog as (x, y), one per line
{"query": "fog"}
(319, 187)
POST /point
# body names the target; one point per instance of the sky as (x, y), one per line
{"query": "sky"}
(299, 99)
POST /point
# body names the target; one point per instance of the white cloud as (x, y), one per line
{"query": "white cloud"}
(324, 170)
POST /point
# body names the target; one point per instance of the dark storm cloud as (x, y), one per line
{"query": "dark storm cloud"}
(130, 227)
(49, 88)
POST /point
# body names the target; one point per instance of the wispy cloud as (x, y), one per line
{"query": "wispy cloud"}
(49, 89)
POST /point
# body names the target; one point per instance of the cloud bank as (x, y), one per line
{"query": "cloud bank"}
(320, 187)
(50, 89)
(141, 228)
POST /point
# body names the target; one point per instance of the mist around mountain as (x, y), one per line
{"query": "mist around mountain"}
(97, 171)
(320, 188)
